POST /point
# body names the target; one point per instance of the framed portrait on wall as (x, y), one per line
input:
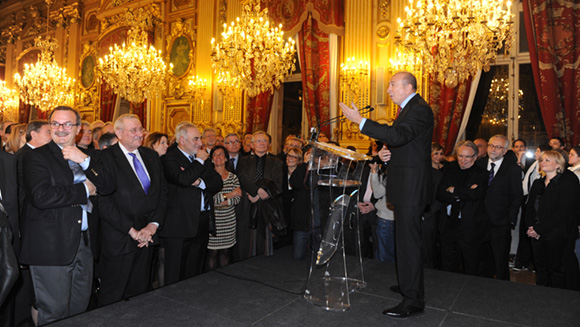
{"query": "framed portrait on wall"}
(88, 71)
(181, 55)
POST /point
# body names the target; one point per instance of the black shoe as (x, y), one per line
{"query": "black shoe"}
(403, 311)
(520, 268)
(395, 289)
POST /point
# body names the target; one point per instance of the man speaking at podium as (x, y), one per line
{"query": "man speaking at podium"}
(409, 186)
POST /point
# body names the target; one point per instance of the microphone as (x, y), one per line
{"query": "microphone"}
(316, 130)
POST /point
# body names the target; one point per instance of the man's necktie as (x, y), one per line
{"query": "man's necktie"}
(233, 161)
(79, 177)
(141, 174)
(259, 169)
(491, 173)
(398, 111)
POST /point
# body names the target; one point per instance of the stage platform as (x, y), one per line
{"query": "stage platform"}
(267, 291)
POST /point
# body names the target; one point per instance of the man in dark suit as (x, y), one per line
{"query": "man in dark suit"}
(409, 186)
(253, 168)
(192, 183)
(9, 201)
(502, 201)
(131, 210)
(54, 225)
(233, 145)
(463, 223)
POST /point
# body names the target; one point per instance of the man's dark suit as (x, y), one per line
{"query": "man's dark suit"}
(246, 174)
(409, 188)
(124, 205)
(502, 204)
(465, 229)
(8, 187)
(185, 233)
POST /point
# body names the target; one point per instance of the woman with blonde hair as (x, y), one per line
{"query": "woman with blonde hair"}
(552, 221)
(17, 138)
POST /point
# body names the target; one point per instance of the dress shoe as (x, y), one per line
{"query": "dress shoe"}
(403, 311)
(395, 289)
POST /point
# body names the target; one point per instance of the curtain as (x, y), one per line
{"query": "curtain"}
(315, 69)
(553, 32)
(108, 101)
(448, 106)
(258, 112)
(140, 109)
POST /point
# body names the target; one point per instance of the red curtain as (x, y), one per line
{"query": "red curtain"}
(553, 32)
(140, 109)
(314, 57)
(108, 101)
(258, 112)
(448, 106)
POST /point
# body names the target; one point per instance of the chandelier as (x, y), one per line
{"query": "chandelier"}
(45, 84)
(456, 38)
(8, 99)
(198, 86)
(352, 74)
(226, 83)
(253, 52)
(137, 71)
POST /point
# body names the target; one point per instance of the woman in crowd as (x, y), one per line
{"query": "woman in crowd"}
(430, 221)
(297, 202)
(17, 138)
(533, 172)
(158, 142)
(574, 160)
(552, 221)
(220, 244)
(385, 248)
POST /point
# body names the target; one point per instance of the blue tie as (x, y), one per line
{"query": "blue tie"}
(491, 174)
(79, 177)
(145, 182)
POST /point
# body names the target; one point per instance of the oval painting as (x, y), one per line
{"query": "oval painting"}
(179, 56)
(88, 71)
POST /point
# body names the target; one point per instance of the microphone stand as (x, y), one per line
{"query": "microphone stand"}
(316, 130)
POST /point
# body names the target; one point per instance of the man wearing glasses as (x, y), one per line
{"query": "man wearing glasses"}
(502, 201)
(233, 145)
(55, 214)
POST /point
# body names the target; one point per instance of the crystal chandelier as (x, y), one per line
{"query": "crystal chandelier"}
(253, 52)
(198, 86)
(8, 99)
(226, 83)
(137, 71)
(45, 84)
(352, 74)
(456, 38)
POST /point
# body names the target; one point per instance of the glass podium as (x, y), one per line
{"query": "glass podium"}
(335, 181)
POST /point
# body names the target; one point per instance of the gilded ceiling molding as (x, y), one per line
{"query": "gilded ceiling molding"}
(149, 14)
(66, 15)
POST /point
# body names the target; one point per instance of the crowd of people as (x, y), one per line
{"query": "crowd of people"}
(96, 213)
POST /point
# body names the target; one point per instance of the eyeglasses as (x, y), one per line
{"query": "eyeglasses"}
(66, 126)
(135, 130)
(294, 157)
(465, 157)
(232, 142)
(498, 147)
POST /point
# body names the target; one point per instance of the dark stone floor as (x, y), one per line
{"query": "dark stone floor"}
(267, 291)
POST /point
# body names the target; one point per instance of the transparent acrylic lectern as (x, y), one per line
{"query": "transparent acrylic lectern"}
(335, 181)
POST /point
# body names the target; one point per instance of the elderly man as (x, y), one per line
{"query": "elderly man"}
(131, 211)
(463, 225)
(481, 147)
(409, 187)
(192, 182)
(209, 139)
(233, 145)
(502, 201)
(55, 238)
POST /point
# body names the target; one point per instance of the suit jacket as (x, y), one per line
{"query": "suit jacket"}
(184, 200)
(556, 206)
(409, 139)
(52, 215)
(465, 200)
(9, 188)
(124, 203)
(18, 155)
(504, 194)
(247, 171)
